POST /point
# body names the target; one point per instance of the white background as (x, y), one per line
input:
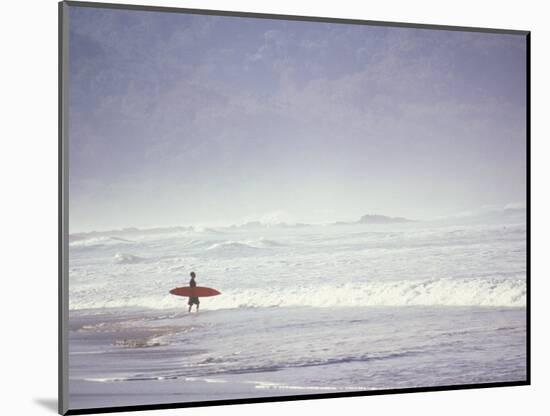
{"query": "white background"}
(28, 213)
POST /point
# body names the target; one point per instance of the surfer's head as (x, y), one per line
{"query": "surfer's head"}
(192, 274)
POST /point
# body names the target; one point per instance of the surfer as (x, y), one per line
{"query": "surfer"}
(193, 300)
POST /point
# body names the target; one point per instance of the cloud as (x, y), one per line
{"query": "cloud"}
(260, 114)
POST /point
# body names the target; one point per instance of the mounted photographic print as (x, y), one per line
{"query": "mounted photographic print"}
(262, 208)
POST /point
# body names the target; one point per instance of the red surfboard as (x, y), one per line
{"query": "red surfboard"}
(194, 292)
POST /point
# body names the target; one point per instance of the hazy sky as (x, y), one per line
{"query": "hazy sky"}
(178, 119)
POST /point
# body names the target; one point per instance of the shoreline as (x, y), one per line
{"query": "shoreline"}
(131, 357)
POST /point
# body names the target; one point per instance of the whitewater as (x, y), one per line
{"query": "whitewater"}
(304, 309)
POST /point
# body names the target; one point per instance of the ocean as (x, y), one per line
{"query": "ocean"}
(304, 309)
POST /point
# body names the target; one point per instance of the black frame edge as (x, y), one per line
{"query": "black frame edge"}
(528, 199)
(60, 381)
(63, 370)
(256, 15)
(165, 406)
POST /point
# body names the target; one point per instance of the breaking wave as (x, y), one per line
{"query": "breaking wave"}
(243, 247)
(124, 258)
(433, 292)
(428, 292)
(231, 246)
(99, 242)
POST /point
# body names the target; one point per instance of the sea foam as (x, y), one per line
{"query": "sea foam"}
(431, 292)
